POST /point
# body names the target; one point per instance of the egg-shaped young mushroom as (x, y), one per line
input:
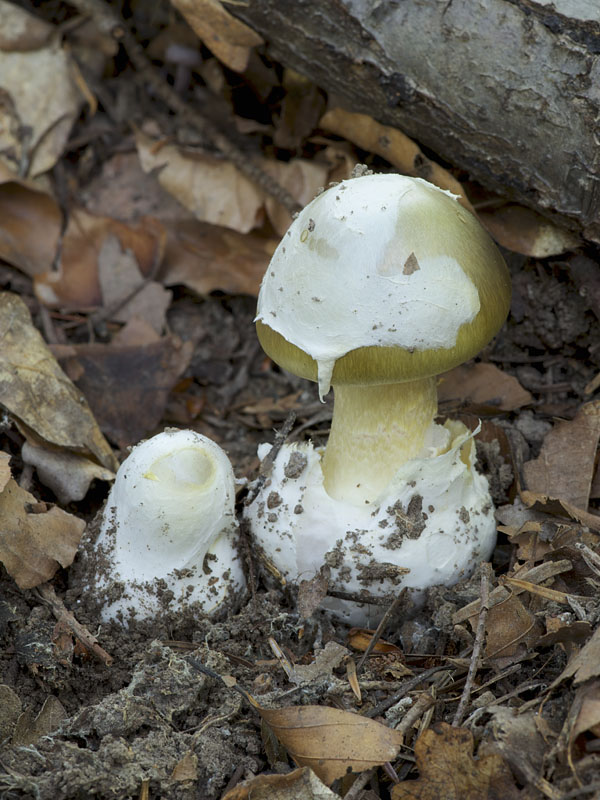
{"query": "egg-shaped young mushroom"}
(168, 535)
(380, 284)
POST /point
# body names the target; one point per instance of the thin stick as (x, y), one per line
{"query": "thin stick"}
(415, 712)
(359, 597)
(379, 630)
(407, 687)
(355, 791)
(62, 614)
(486, 571)
(266, 465)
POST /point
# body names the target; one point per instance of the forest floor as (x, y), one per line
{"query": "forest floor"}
(152, 710)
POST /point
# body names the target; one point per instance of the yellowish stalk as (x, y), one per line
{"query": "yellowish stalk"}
(375, 429)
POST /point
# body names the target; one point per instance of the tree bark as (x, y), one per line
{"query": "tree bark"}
(508, 90)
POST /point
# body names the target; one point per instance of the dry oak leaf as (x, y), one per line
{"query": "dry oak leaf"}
(332, 742)
(35, 539)
(38, 394)
(448, 770)
(300, 784)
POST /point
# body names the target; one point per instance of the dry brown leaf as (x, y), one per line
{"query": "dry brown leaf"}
(559, 508)
(332, 742)
(76, 283)
(124, 191)
(24, 208)
(510, 628)
(128, 387)
(302, 178)
(565, 467)
(523, 230)
(360, 638)
(39, 96)
(300, 784)
(207, 257)
(213, 190)
(120, 277)
(588, 717)
(584, 665)
(67, 474)
(227, 37)
(567, 633)
(521, 739)
(5, 474)
(448, 770)
(482, 388)
(394, 146)
(30, 726)
(35, 390)
(186, 768)
(35, 539)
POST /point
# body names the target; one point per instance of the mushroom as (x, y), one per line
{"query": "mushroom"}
(380, 284)
(167, 537)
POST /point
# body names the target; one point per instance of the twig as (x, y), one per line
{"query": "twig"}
(62, 614)
(379, 630)
(107, 22)
(486, 570)
(355, 791)
(359, 597)
(415, 712)
(591, 558)
(266, 465)
(407, 687)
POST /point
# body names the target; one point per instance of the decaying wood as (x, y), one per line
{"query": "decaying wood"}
(508, 90)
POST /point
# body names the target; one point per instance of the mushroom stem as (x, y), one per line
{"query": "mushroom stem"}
(375, 429)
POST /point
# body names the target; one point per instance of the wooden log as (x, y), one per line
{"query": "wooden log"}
(508, 90)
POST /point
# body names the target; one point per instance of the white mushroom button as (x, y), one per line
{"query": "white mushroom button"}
(168, 532)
